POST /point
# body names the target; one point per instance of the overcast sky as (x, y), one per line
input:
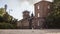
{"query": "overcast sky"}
(16, 7)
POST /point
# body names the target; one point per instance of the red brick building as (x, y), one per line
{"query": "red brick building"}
(42, 9)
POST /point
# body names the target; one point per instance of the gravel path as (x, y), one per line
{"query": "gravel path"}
(17, 31)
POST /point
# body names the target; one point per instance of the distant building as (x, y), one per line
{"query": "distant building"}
(24, 23)
(3, 10)
(42, 9)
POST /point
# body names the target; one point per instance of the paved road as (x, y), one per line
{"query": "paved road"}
(29, 31)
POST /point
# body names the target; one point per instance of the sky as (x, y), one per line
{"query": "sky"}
(16, 7)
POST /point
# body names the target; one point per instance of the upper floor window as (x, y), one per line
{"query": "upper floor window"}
(38, 15)
(38, 7)
(48, 7)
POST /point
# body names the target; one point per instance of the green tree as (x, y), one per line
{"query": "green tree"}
(6, 20)
(53, 19)
(7, 17)
(6, 26)
(2, 11)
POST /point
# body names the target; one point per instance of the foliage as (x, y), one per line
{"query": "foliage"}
(2, 11)
(53, 19)
(6, 26)
(6, 20)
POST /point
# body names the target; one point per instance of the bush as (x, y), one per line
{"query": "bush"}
(6, 26)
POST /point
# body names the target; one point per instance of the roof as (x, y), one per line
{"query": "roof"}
(25, 11)
(41, 2)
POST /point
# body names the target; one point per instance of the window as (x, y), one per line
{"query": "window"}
(38, 15)
(38, 23)
(48, 7)
(38, 6)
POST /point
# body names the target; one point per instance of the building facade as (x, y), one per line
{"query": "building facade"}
(41, 9)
